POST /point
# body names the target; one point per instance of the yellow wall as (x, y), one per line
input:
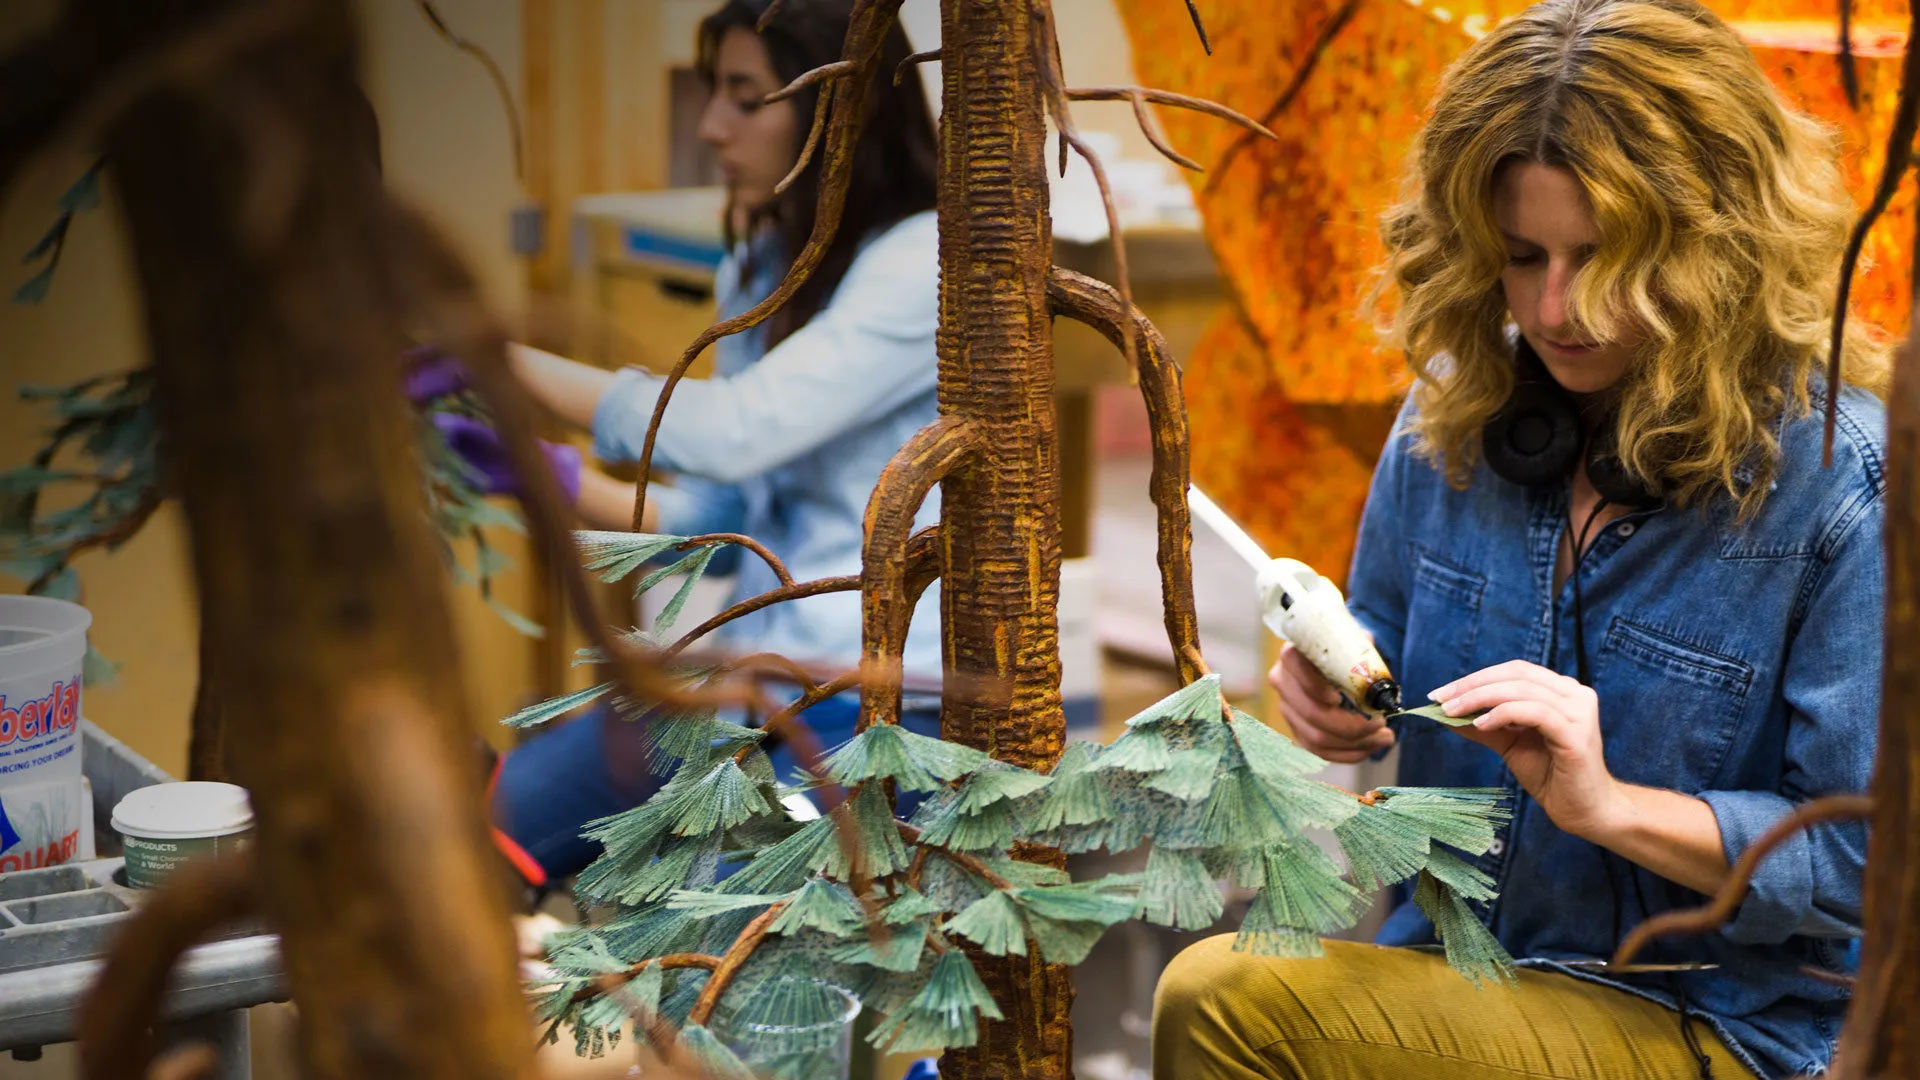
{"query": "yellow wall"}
(446, 149)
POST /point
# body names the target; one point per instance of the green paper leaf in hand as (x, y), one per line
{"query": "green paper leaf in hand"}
(1437, 714)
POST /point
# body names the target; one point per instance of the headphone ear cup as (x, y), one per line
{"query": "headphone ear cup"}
(1535, 438)
(1609, 476)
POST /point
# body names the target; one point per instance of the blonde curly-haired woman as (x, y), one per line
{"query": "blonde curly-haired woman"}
(1603, 519)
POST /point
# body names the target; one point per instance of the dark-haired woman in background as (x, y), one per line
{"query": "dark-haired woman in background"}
(787, 440)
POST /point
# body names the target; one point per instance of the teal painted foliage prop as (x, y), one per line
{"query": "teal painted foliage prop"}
(1218, 796)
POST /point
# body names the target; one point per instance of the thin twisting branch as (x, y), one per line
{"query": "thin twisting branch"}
(730, 964)
(866, 36)
(773, 561)
(124, 1002)
(494, 73)
(1727, 901)
(1168, 97)
(814, 129)
(837, 69)
(887, 609)
(972, 864)
(1849, 73)
(801, 590)
(912, 60)
(1083, 299)
(1906, 120)
(1193, 12)
(1151, 129)
(1324, 38)
(607, 984)
(1053, 85)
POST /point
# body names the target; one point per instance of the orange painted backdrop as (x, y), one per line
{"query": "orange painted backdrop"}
(1289, 394)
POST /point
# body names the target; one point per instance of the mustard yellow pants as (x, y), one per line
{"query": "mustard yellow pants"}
(1366, 1011)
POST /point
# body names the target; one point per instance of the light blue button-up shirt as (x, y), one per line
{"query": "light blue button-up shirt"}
(785, 444)
(1736, 662)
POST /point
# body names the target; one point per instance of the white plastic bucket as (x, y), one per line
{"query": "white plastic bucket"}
(165, 825)
(42, 644)
(45, 824)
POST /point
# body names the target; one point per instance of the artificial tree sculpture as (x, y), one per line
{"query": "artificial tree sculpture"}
(278, 285)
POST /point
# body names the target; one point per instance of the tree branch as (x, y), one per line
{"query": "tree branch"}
(886, 608)
(1168, 97)
(607, 984)
(1324, 38)
(123, 1004)
(1193, 12)
(1906, 121)
(773, 561)
(817, 587)
(972, 864)
(836, 70)
(818, 125)
(730, 964)
(912, 60)
(1727, 901)
(866, 37)
(1085, 300)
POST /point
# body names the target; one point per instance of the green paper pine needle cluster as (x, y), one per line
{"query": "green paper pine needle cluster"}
(1218, 795)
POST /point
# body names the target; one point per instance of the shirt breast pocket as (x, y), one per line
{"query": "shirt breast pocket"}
(1670, 704)
(1443, 622)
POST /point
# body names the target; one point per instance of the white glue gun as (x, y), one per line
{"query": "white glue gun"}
(1307, 610)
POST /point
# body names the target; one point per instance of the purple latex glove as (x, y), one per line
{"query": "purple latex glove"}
(432, 374)
(480, 447)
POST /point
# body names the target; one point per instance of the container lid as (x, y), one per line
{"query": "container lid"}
(185, 808)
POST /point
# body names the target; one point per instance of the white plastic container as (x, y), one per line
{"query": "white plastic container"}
(45, 824)
(42, 644)
(164, 825)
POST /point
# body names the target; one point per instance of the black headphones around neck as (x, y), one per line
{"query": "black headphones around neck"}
(1535, 439)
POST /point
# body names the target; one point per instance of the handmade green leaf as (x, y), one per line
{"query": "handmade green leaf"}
(994, 782)
(1466, 818)
(714, 1057)
(1304, 889)
(1198, 700)
(786, 864)
(1177, 891)
(1472, 950)
(877, 835)
(1269, 753)
(820, 905)
(1066, 921)
(899, 952)
(890, 752)
(1140, 749)
(1190, 773)
(992, 922)
(942, 823)
(1075, 795)
(725, 797)
(614, 555)
(1461, 877)
(1382, 847)
(1438, 714)
(699, 905)
(910, 905)
(1263, 934)
(945, 1013)
(694, 565)
(553, 708)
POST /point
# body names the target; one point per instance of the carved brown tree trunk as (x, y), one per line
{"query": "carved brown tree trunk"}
(1880, 1037)
(1000, 577)
(274, 336)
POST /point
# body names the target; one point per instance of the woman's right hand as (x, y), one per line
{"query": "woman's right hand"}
(1311, 706)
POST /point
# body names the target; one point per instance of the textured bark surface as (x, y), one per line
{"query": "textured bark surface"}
(1880, 1037)
(1000, 577)
(292, 448)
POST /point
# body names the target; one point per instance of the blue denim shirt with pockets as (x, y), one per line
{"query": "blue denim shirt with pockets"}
(1735, 661)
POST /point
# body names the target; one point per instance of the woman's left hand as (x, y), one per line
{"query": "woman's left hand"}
(1546, 727)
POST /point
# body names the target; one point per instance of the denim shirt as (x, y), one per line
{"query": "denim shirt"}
(1736, 662)
(786, 444)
